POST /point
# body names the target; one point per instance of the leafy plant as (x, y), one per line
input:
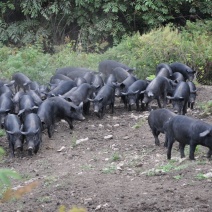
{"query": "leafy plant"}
(115, 157)
(2, 133)
(200, 176)
(5, 175)
(139, 124)
(110, 169)
(177, 177)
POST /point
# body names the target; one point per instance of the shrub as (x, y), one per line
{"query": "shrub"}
(191, 45)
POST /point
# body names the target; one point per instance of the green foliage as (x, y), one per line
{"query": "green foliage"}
(150, 77)
(2, 133)
(92, 23)
(177, 177)
(110, 169)
(6, 174)
(2, 152)
(207, 107)
(166, 45)
(200, 176)
(192, 45)
(115, 157)
(139, 123)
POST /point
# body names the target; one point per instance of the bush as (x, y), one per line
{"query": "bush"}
(191, 45)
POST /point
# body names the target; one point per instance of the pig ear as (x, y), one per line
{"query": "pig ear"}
(90, 100)
(34, 108)
(116, 84)
(130, 70)
(36, 131)
(122, 85)
(68, 99)
(24, 133)
(203, 134)
(80, 105)
(193, 92)
(10, 132)
(124, 94)
(100, 100)
(10, 83)
(20, 112)
(97, 87)
(136, 92)
(170, 97)
(150, 94)
(72, 109)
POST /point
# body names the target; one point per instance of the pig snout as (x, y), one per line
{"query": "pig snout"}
(31, 146)
(82, 118)
(18, 145)
(96, 109)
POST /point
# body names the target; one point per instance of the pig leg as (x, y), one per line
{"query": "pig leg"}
(11, 147)
(155, 134)
(159, 104)
(166, 141)
(164, 99)
(192, 106)
(50, 130)
(182, 147)
(70, 122)
(170, 144)
(86, 107)
(112, 107)
(185, 108)
(137, 104)
(192, 150)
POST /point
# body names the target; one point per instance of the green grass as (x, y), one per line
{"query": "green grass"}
(115, 157)
(2, 133)
(200, 176)
(139, 124)
(177, 177)
(110, 169)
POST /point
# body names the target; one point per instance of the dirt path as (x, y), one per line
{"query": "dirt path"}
(124, 173)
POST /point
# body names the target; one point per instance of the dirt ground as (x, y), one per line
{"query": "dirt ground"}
(124, 173)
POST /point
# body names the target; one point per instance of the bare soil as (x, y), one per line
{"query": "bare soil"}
(124, 173)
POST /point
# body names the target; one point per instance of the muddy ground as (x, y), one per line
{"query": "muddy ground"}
(124, 173)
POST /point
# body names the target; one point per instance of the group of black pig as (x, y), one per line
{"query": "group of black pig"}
(27, 108)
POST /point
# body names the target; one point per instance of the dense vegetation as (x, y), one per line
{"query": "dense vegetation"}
(91, 24)
(192, 45)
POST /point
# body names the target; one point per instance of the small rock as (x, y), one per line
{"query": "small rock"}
(208, 175)
(98, 207)
(109, 126)
(107, 137)
(116, 125)
(81, 140)
(126, 137)
(88, 201)
(61, 149)
(101, 126)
